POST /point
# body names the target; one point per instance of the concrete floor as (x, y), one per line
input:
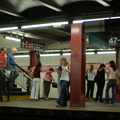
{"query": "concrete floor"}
(51, 104)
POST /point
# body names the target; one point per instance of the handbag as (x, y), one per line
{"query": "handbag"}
(54, 84)
(46, 79)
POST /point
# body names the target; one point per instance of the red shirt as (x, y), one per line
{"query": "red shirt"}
(50, 75)
(3, 58)
(37, 73)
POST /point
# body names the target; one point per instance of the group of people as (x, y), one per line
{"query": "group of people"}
(8, 63)
(8, 66)
(63, 78)
(99, 78)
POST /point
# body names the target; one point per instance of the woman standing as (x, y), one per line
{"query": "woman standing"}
(64, 83)
(90, 83)
(100, 83)
(36, 81)
(112, 73)
(47, 83)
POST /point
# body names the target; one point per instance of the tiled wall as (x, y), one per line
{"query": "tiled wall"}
(55, 61)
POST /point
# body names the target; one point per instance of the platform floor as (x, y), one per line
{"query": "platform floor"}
(51, 104)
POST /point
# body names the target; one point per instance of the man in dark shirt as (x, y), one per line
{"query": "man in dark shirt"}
(11, 63)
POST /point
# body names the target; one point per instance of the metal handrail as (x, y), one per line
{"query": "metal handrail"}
(20, 80)
(8, 95)
(25, 73)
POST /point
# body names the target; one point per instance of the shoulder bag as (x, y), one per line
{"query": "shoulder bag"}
(46, 79)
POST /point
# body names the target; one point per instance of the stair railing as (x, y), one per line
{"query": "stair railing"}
(22, 78)
(2, 74)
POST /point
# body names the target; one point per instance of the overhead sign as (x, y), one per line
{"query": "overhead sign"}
(39, 47)
(114, 42)
(32, 46)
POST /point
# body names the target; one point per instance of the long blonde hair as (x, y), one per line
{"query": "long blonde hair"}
(91, 68)
(65, 60)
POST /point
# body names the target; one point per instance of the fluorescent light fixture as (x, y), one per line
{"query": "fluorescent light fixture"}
(8, 28)
(66, 54)
(21, 56)
(116, 17)
(90, 53)
(23, 51)
(44, 25)
(12, 38)
(77, 21)
(48, 55)
(90, 20)
(107, 52)
(104, 3)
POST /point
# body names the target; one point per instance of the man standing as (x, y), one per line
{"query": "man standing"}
(3, 59)
(12, 64)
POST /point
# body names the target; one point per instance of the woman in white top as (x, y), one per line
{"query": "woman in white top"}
(64, 83)
(111, 77)
(90, 83)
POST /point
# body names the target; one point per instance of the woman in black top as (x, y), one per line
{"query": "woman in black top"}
(100, 83)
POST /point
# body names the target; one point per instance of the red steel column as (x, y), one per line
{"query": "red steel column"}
(78, 63)
(34, 56)
(118, 66)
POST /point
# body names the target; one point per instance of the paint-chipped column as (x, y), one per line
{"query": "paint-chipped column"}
(118, 66)
(78, 65)
(34, 56)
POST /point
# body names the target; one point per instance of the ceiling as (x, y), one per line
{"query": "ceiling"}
(30, 12)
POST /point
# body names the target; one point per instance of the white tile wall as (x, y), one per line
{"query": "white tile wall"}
(55, 61)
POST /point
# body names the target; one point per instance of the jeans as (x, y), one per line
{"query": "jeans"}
(63, 93)
(111, 84)
(13, 74)
(2, 82)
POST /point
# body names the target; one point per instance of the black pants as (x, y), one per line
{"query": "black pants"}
(99, 94)
(90, 89)
(46, 88)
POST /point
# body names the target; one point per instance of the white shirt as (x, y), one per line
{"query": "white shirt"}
(65, 74)
(91, 76)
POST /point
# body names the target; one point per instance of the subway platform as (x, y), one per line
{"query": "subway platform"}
(47, 110)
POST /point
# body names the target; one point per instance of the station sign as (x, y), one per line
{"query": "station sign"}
(114, 42)
(32, 46)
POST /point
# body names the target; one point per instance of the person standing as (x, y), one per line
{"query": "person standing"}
(36, 81)
(47, 83)
(3, 60)
(100, 83)
(64, 83)
(112, 74)
(90, 83)
(11, 63)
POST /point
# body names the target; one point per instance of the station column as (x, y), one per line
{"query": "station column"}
(118, 66)
(78, 66)
(34, 56)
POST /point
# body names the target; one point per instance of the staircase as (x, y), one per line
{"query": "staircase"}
(19, 90)
(15, 93)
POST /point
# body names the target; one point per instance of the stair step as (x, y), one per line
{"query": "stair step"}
(17, 97)
(15, 89)
(15, 93)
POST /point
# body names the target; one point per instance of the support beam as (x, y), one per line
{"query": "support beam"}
(34, 57)
(118, 66)
(77, 96)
